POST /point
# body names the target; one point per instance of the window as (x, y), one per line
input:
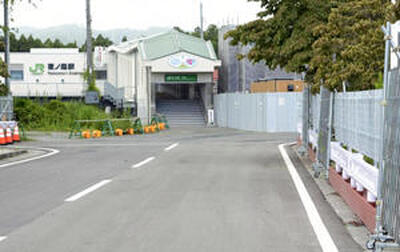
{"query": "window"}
(290, 88)
(63, 66)
(101, 75)
(16, 74)
(71, 66)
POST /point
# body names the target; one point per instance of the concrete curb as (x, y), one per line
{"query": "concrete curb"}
(353, 224)
(12, 154)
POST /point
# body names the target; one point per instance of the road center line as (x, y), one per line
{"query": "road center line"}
(148, 160)
(88, 190)
(2, 238)
(320, 230)
(171, 147)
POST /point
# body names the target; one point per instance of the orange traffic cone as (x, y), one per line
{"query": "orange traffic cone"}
(2, 137)
(16, 137)
(9, 139)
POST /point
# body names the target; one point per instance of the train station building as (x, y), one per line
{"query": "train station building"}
(159, 71)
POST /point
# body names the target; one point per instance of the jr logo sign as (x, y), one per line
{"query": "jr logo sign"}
(38, 69)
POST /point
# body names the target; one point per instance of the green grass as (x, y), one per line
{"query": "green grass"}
(56, 115)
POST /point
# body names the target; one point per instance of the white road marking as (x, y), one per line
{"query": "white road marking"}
(171, 147)
(320, 230)
(51, 153)
(107, 145)
(148, 160)
(88, 190)
(2, 238)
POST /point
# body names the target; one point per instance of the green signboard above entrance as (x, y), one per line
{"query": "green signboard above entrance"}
(181, 78)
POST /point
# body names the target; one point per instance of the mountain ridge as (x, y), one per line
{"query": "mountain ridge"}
(70, 33)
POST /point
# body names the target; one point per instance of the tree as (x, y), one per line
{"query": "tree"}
(48, 43)
(353, 35)
(37, 43)
(71, 45)
(98, 41)
(331, 41)
(23, 45)
(102, 41)
(57, 44)
(283, 34)
(124, 39)
(210, 34)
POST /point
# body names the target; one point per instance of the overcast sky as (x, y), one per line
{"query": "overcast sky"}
(137, 14)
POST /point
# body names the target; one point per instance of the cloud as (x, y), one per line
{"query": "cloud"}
(133, 14)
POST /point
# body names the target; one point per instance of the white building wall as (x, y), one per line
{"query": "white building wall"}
(29, 61)
(143, 94)
(111, 68)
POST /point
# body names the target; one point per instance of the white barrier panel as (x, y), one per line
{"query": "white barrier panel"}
(300, 129)
(361, 174)
(313, 138)
(366, 176)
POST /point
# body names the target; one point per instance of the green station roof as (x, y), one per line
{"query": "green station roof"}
(169, 43)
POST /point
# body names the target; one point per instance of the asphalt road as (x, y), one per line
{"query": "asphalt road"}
(213, 190)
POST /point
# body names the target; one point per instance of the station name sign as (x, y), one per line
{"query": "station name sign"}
(54, 69)
(181, 78)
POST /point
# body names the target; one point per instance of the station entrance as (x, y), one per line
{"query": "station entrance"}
(182, 103)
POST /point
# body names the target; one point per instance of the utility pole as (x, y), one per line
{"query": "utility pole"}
(6, 42)
(89, 50)
(201, 21)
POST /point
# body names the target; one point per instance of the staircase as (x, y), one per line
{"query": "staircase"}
(182, 112)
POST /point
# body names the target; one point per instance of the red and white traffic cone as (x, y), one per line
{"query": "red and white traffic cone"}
(9, 139)
(16, 137)
(2, 137)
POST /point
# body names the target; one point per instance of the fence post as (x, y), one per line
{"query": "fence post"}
(305, 121)
(324, 134)
(381, 239)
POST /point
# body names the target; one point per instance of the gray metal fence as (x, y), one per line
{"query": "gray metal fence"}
(269, 112)
(6, 108)
(358, 121)
(391, 157)
(324, 132)
(314, 112)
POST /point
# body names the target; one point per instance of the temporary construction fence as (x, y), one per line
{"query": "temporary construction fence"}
(366, 127)
(324, 132)
(358, 121)
(391, 158)
(6, 108)
(269, 112)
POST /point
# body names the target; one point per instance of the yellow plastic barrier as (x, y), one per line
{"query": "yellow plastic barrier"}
(130, 131)
(119, 132)
(86, 134)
